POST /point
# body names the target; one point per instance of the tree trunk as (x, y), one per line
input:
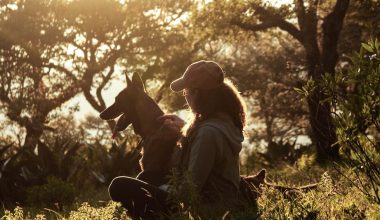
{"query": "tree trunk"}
(323, 129)
(33, 134)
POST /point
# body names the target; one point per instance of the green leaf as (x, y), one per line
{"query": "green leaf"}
(367, 47)
(300, 91)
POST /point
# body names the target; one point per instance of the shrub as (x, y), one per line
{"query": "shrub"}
(54, 193)
(355, 97)
(111, 211)
(119, 160)
(333, 199)
(27, 167)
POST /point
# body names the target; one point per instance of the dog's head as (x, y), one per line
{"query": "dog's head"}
(257, 179)
(135, 107)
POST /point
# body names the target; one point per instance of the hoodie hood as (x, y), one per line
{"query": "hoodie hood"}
(224, 124)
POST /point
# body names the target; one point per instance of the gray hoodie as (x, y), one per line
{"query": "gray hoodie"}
(213, 158)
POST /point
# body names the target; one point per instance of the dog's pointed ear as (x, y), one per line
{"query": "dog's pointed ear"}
(261, 175)
(137, 81)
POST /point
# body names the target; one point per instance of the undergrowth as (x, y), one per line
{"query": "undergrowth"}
(334, 198)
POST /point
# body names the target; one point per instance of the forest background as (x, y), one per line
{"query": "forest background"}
(307, 69)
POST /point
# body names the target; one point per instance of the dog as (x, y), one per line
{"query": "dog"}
(258, 180)
(159, 139)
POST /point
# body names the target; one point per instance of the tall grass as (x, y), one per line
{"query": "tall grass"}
(335, 198)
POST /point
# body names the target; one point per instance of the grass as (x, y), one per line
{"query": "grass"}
(335, 198)
(109, 211)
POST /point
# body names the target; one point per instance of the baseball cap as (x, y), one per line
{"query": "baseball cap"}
(200, 75)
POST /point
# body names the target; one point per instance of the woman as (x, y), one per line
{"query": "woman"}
(210, 147)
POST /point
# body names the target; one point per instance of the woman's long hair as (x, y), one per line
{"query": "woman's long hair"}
(224, 98)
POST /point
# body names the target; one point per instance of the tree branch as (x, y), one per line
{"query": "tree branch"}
(105, 80)
(301, 13)
(91, 100)
(332, 25)
(269, 20)
(62, 69)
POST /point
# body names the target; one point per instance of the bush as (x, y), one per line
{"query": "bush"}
(355, 97)
(28, 167)
(54, 193)
(110, 211)
(333, 199)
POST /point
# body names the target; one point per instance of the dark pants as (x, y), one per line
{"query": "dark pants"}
(141, 199)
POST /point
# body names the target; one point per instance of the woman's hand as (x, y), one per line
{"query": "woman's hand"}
(171, 119)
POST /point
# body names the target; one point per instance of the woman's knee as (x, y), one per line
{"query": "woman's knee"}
(118, 187)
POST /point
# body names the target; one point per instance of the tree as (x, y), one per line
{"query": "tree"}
(54, 50)
(112, 39)
(316, 25)
(32, 81)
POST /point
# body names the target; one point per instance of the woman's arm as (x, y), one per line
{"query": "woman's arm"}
(204, 152)
(174, 120)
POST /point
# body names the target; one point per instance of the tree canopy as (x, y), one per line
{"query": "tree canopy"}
(52, 51)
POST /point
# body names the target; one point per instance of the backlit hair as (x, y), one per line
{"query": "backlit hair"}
(225, 98)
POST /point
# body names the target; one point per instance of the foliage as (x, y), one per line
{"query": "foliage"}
(54, 193)
(276, 154)
(186, 202)
(110, 211)
(25, 171)
(265, 67)
(119, 160)
(301, 21)
(10, 174)
(335, 198)
(355, 95)
(362, 23)
(330, 200)
(183, 196)
(27, 167)
(32, 85)
(52, 51)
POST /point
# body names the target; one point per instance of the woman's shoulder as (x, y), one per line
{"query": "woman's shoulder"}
(220, 121)
(217, 126)
(208, 128)
(222, 126)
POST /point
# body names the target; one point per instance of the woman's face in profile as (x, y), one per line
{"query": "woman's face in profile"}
(190, 96)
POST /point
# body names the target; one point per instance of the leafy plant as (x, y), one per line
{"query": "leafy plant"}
(284, 151)
(110, 210)
(59, 159)
(27, 167)
(11, 181)
(355, 97)
(116, 161)
(54, 193)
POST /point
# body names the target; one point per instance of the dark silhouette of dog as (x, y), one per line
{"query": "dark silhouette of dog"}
(159, 139)
(258, 180)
